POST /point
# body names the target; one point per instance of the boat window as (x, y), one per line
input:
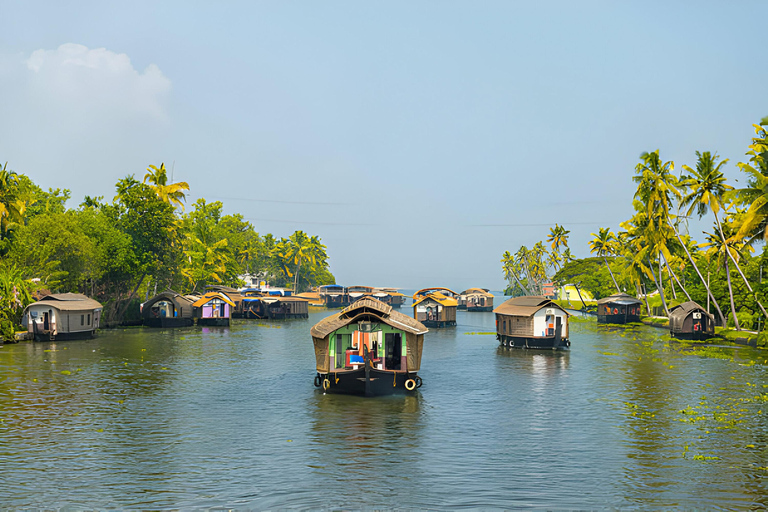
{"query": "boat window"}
(504, 326)
(393, 349)
(89, 319)
(82, 319)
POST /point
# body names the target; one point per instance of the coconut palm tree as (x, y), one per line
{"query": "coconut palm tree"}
(11, 205)
(718, 247)
(558, 236)
(158, 181)
(604, 245)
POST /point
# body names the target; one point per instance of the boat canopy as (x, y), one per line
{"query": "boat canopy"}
(427, 291)
(437, 297)
(208, 297)
(527, 305)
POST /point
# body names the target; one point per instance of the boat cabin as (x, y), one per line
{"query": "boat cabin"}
(213, 308)
(58, 316)
(435, 307)
(618, 308)
(532, 322)
(358, 292)
(169, 309)
(368, 349)
(233, 294)
(271, 307)
(333, 296)
(390, 296)
(475, 299)
(689, 321)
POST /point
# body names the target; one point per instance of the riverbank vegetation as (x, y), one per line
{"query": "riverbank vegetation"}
(654, 256)
(141, 242)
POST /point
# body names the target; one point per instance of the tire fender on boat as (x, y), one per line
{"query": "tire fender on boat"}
(326, 384)
(419, 382)
(410, 384)
(318, 381)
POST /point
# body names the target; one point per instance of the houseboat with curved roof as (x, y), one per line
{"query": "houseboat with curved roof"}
(169, 309)
(689, 321)
(532, 322)
(618, 308)
(59, 316)
(213, 308)
(435, 307)
(275, 307)
(368, 349)
(475, 299)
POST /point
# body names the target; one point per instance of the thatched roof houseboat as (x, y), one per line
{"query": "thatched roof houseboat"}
(435, 307)
(532, 322)
(333, 295)
(275, 307)
(690, 321)
(232, 294)
(368, 349)
(213, 308)
(169, 309)
(475, 299)
(618, 308)
(58, 316)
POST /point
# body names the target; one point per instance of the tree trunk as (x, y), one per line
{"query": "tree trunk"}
(121, 311)
(645, 298)
(705, 283)
(579, 292)
(611, 272)
(658, 286)
(730, 292)
(727, 249)
(671, 272)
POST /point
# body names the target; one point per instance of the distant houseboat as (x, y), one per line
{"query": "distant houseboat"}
(169, 309)
(59, 316)
(532, 322)
(618, 308)
(475, 299)
(390, 296)
(435, 307)
(368, 349)
(333, 296)
(358, 292)
(313, 297)
(213, 308)
(269, 307)
(232, 294)
(689, 321)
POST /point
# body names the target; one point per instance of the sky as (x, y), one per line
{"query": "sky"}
(419, 140)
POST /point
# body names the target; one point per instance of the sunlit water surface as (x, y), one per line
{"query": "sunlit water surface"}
(228, 417)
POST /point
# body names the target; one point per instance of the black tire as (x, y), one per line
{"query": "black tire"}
(419, 382)
(318, 381)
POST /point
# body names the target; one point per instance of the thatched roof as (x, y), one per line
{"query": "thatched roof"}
(366, 308)
(428, 291)
(527, 305)
(477, 291)
(68, 302)
(622, 299)
(437, 297)
(174, 297)
(208, 297)
(682, 310)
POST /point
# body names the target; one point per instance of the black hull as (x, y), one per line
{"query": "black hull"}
(617, 319)
(256, 316)
(548, 343)
(215, 322)
(692, 336)
(64, 336)
(461, 307)
(433, 323)
(480, 309)
(168, 322)
(354, 383)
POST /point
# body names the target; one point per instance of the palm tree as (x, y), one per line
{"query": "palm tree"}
(604, 245)
(11, 206)
(158, 180)
(755, 194)
(718, 247)
(558, 236)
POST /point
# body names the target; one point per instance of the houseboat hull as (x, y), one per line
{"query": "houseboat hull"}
(439, 323)
(548, 342)
(479, 309)
(378, 382)
(214, 322)
(253, 315)
(63, 336)
(461, 307)
(168, 322)
(617, 319)
(692, 336)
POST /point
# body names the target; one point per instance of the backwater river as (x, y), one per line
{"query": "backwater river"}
(229, 418)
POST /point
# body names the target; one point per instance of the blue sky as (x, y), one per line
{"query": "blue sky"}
(420, 140)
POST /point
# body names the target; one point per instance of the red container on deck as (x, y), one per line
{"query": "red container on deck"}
(350, 352)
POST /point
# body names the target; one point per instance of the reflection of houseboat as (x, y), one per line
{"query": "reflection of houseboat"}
(532, 322)
(169, 309)
(62, 316)
(368, 349)
(435, 307)
(333, 295)
(475, 299)
(689, 321)
(390, 296)
(618, 308)
(213, 308)
(275, 307)
(232, 294)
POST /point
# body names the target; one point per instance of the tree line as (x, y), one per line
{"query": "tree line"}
(653, 252)
(142, 242)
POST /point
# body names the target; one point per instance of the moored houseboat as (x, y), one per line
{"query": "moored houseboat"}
(532, 322)
(333, 295)
(169, 309)
(232, 294)
(275, 307)
(358, 292)
(368, 349)
(313, 297)
(213, 308)
(435, 307)
(618, 308)
(390, 296)
(689, 321)
(475, 299)
(60, 316)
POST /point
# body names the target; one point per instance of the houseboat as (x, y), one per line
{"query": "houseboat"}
(333, 296)
(368, 349)
(689, 321)
(435, 307)
(618, 308)
(313, 297)
(275, 307)
(532, 322)
(475, 299)
(169, 309)
(213, 308)
(233, 294)
(390, 296)
(358, 292)
(60, 316)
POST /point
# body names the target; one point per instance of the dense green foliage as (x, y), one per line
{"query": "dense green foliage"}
(125, 250)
